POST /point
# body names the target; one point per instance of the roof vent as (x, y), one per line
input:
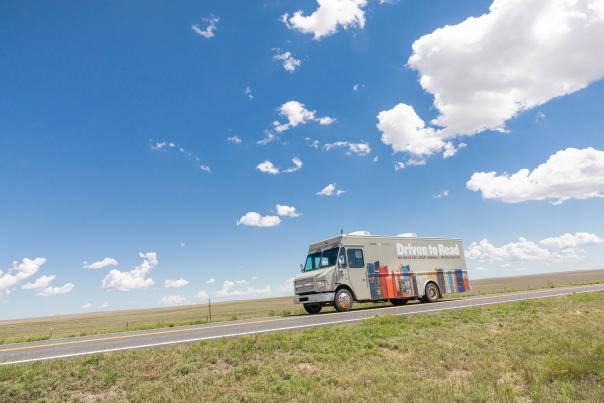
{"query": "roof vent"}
(407, 235)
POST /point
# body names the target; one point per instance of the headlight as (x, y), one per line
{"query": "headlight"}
(321, 284)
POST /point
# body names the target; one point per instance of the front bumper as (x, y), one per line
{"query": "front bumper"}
(314, 298)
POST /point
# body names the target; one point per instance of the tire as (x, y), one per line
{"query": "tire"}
(432, 293)
(313, 308)
(398, 302)
(343, 300)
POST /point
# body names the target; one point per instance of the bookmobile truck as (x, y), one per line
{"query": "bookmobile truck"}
(366, 268)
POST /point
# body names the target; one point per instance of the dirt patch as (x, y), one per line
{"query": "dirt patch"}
(306, 367)
(95, 397)
(223, 367)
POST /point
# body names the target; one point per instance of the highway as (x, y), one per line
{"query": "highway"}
(78, 346)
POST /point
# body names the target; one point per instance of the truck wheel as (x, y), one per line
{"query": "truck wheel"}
(312, 308)
(432, 294)
(343, 300)
(398, 302)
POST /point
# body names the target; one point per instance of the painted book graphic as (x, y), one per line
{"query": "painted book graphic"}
(404, 283)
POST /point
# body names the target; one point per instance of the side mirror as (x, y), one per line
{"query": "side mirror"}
(301, 267)
(342, 261)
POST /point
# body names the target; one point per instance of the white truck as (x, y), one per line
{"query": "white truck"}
(365, 268)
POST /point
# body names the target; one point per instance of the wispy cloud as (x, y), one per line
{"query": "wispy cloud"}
(210, 27)
(289, 62)
(270, 168)
(164, 145)
(100, 264)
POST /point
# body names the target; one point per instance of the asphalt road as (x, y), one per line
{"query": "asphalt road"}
(73, 347)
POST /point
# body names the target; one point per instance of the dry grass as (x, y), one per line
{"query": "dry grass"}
(540, 350)
(106, 322)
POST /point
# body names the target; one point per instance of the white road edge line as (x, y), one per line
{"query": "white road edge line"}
(165, 343)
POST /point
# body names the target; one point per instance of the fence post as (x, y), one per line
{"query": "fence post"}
(210, 308)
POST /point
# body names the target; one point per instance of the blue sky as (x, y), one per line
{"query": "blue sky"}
(94, 95)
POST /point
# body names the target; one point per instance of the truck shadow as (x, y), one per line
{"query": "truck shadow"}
(383, 305)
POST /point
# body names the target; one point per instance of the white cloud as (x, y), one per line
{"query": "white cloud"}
(441, 195)
(202, 295)
(175, 283)
(548, 249)
(416, 161)
(568, 240)
(49, 291)
(295, 113)
(254, 219)
(330, 190)
(288, 285)
(135, 278)
(211, 280)
(488, 69)
(234, 139)
(406, 132)
(158, 146)
(87, 305)
(398, 165)
(270, 168)
(104, 305)
(408, 235)
(289, 62)
(286, 211)
(208, 31)
(100, 264)
(241, 282)
(173, 300)
(328, 17)
(19, 272)
(357, 87)
(568, 174)
(248, 92)
(230, 289)
(41, 282)
(361, 149)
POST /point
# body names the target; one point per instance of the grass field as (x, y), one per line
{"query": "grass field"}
(106, 322)
(539, 350)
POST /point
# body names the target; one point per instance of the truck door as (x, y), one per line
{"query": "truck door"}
(358, 273)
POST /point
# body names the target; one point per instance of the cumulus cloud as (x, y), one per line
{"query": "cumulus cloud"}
(295, 113)
(135, 278)
(568, 240)
(175, 283)
(548, 249)
(100, 264)
(486, 70)
(211, 280)
(328, 17)
(19, 272)
(270, 168)
(568, 174)
(40, 282)
(253, 219)
(87, 305)
(202, 295)
(286, 211)
(361, 149)
(208, 31)
(330, 190)
(231, 289)
(287, 59)
(173, 300)
(49, 291)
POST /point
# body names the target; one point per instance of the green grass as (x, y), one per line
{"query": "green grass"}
(12, 331)
(539, 350)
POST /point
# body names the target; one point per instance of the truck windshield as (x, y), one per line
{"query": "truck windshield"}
(321, 259)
